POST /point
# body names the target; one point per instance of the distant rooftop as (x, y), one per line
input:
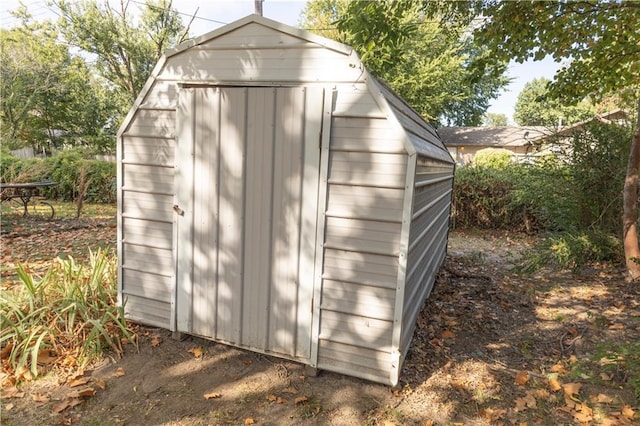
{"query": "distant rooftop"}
(509, 136)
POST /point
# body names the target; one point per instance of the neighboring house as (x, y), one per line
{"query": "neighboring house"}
(464, 142)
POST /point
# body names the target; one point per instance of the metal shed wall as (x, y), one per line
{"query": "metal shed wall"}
(430, 186)
(365, 187)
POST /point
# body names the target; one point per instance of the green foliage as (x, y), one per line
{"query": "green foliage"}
(126, 50)
(601, 39)
(49, 97)
(428, 61)
(621, 360)
(492, 119)
(598, 162)
(496, 158)
(71, 311)
(64, 168)
(483, 198)
(573, 250)
(535, 107)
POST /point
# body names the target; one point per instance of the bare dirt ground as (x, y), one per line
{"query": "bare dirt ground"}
(490, 347)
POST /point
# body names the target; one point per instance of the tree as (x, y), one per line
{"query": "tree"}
(534, 107)
(602, 42)
(125, 50)
(427, 61)
(492, 119)
(49, 97)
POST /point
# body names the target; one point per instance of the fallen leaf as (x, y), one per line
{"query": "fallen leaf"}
(447, 334)
(458, 384)
(290, 390)
(66, 404)
(528, 401)
(6, 351)
(8, 407)
(120, 372)
(41, 399)
(603, 399)
(12, 392)
(606, 377)
(247, 362)
(628, 412)
(47, 357)
(555, 384)
(272, 398)
(197, 351)
(300, 399)
(79, 382)
(155, 341)
(428, 423)
(281, 400)
(85, 393)
(558, 368)
(522, 378)
(212, 395)
(571, 389)
(249, 421)
(100, 383)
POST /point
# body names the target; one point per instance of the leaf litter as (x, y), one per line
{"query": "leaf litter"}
(482, 329)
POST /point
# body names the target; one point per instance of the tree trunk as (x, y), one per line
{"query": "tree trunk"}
(630, 205)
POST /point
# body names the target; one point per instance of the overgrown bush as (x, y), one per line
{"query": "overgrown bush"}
(65, 168)
(485, 198)
(496, 158)
(573, 250)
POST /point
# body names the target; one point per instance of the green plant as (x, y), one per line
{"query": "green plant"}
(497, 158)
(573, 250)
(71, 312)
(623, 361)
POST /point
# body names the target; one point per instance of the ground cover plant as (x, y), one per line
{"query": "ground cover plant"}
(491, 346)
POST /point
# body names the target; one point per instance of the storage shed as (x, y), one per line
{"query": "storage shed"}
(274, 196)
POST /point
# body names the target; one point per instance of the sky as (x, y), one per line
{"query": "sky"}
(212, 14)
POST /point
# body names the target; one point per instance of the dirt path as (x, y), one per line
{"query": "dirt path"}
(490, 347)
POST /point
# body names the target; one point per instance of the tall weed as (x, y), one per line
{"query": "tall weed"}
(70, 315)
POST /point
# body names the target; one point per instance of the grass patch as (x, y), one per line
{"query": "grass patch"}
(66, 318)
(12, 211)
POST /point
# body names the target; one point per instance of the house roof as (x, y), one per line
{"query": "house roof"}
(510, 136)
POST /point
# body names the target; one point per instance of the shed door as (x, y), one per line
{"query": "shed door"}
(246, 203)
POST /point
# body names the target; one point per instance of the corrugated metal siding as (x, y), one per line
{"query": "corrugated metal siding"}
(145, 216)
(255, 175)
(367, 170)
(257, 59)
(427, 238)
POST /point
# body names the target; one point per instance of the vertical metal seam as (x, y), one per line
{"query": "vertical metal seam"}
(244, 211)
(303, 164)
(218, 149)
(271, 221)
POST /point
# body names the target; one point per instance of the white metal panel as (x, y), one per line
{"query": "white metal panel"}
(149, 151)
(365, 236)
(260, 65)
(353, 360)
(148, 233)
(367, 169)
(150, 123)
(255, 182)
(149, 206)
(371, 203)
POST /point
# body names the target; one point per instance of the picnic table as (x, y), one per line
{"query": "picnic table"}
(23, 194)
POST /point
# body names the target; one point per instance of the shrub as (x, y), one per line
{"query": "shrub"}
(64, 168)
(573, 250)
(493, 157)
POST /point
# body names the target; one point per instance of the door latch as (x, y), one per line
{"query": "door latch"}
(177, 209)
